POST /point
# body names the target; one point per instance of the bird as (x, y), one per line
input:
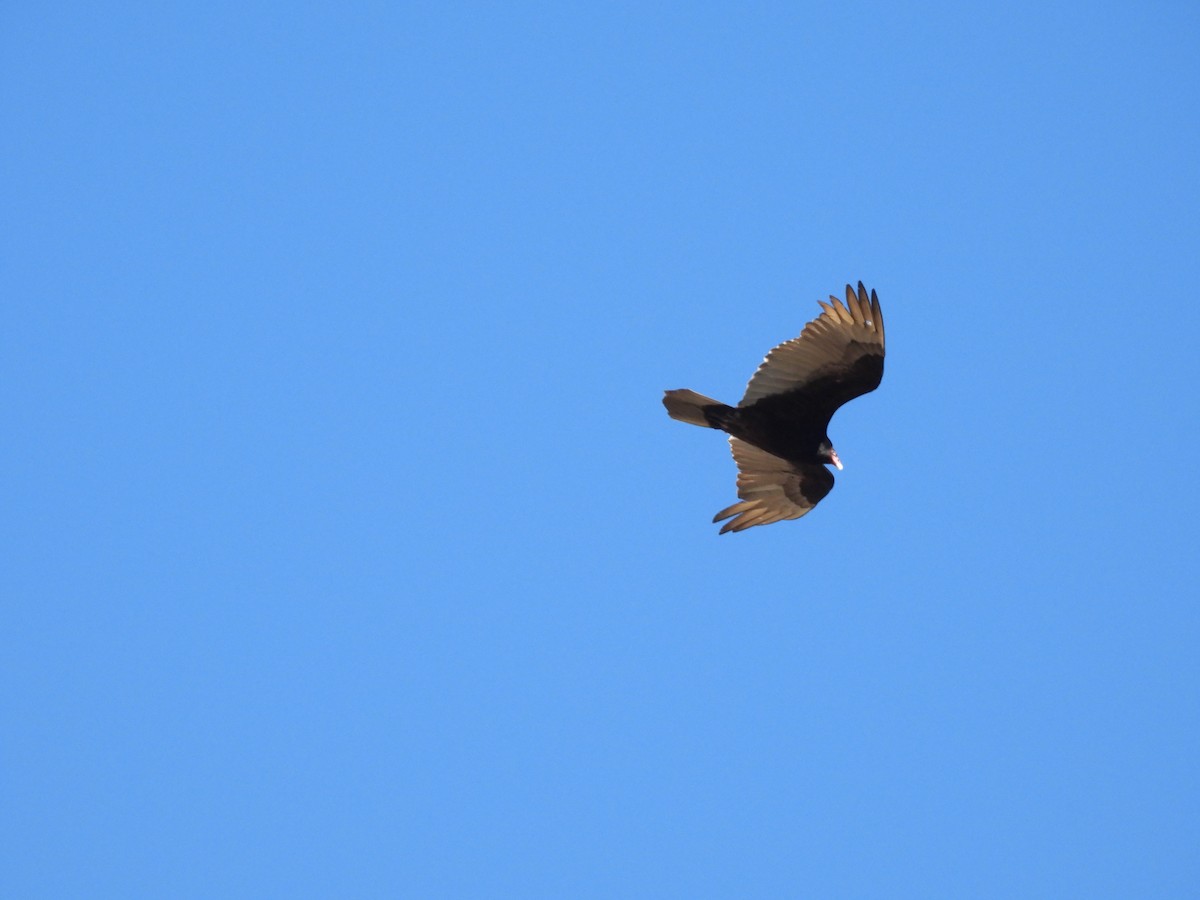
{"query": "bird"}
(778, 432)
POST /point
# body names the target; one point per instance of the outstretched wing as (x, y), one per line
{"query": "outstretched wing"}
(837, 357)
(772, 489)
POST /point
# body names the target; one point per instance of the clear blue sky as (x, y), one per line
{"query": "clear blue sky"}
(349, 552)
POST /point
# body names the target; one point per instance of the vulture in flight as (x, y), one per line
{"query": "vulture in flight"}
(778, 430)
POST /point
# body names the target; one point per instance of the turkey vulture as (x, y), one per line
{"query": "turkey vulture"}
(778, 430)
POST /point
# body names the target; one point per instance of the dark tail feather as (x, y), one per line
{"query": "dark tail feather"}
(696, 409)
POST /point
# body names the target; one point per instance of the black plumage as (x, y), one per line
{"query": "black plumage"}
(779, 431)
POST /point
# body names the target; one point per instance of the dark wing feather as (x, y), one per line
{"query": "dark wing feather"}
(772, 489)
(837, 357)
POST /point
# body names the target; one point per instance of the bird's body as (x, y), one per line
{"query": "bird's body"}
(778, 432)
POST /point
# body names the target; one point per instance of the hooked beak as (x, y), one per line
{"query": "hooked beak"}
(833, 458)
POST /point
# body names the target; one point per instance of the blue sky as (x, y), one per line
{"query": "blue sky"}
(350, 552)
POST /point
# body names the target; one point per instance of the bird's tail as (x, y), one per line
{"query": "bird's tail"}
(696, 409)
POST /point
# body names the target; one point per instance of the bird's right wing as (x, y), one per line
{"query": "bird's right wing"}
(839, 354)
(772, 489)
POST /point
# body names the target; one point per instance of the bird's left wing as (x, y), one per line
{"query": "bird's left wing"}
(772, 489)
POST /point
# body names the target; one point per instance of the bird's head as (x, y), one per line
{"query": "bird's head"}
(828, 455)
